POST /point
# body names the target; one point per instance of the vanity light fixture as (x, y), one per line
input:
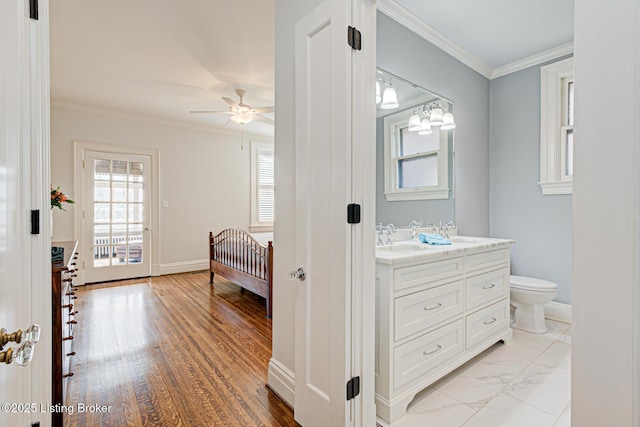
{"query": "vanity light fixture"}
(435, 114)
(378, 96)
(389, 97)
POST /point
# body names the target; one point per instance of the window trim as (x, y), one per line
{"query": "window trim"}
(392, 127)
(256, 225)
(553, 179)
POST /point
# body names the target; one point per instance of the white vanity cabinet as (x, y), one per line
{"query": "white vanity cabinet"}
(436, 308)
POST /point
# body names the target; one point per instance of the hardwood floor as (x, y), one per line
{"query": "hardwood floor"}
(172, 351)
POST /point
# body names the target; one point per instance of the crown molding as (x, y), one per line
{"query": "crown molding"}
(154, 120)
(407, 19)
(540, 58)
(401, 15)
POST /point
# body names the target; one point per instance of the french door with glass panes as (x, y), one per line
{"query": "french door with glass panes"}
(116, 216)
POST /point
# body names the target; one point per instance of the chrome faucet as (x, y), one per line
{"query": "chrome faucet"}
(448, 226)
(414, 232)
(390, 228)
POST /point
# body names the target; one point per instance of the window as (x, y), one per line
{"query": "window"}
(262, 187)
(416, 166)
(556, 128)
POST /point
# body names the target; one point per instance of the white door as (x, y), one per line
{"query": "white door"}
(323, 239)
(25, 269)
(116, 211)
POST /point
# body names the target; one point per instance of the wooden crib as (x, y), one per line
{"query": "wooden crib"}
(238, 257)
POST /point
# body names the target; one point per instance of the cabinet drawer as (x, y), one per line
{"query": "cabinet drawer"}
(423, 354)
(487, 259)
(486, 322)
(487, 287)
(415, 312)
(408, 277)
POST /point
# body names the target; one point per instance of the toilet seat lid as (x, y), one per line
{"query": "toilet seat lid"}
(522, 282)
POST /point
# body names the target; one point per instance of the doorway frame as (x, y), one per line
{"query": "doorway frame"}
(80, 149)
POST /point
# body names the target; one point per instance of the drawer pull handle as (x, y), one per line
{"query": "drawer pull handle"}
(490, 321)
(493, 285)
(438, 305)
(70, 337)
(70, 374)
(72, 322)
(73, 353)
(429, 353)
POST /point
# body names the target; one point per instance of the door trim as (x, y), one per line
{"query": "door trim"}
(79, 151)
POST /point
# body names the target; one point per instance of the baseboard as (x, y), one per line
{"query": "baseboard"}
(282, 381)
(558, 311)
(183, 267)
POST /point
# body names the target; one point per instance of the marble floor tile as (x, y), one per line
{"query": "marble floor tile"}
(432, 408)
(558, 354)
(565, 419)
(505, 411)
(477, 383)
(546, 388)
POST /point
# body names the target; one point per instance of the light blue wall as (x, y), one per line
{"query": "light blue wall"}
(541, 225)
(409, 56)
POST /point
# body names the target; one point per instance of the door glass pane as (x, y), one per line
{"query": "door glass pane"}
(119, 212)
(418, 172)
(102, 255)
(135, 171)
(135, 192)
(119, 192)
(101, 169)
(101, 213)
(570, 105)
(135, 233)
(119, 233)
(102, 192)
(135, 212)
(119, 170)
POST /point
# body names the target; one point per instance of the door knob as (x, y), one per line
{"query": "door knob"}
(299, 274)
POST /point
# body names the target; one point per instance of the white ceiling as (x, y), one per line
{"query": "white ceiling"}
(498, 32)
(163, 58)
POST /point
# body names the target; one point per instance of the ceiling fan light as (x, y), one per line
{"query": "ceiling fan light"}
(448, 122)
(414, 123)
(425, 127)
(436, 117)
(378, 96)
(389, 99)
(242, 119)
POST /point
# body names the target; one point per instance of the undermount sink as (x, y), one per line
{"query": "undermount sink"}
(405, 248)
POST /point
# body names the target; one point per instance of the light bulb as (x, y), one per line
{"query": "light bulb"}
(242, 119)
(414, 123)
(425, 127)
(436, 117)
(448, 122)
(389, 99)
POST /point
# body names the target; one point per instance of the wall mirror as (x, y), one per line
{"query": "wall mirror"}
(414, 152)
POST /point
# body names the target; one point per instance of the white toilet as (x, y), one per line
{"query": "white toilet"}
(528, 296)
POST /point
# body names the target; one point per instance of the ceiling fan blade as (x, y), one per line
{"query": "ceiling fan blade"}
(263, 110)
(212, 112)
(263, 119)
(231, 102)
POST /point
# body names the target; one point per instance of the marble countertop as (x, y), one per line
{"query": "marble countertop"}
(408, 251)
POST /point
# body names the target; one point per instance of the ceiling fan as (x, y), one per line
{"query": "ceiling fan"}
(242, 113)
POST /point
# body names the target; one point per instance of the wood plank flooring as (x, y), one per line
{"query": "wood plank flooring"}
(173, 351)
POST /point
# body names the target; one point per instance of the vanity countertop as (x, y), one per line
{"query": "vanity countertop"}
(407, 251)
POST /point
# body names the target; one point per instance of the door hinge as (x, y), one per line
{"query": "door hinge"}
(353, 387)
(35, 221)
(353, 213)
(33, 9)
(354, 38)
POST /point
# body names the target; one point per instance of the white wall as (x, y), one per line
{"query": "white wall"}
(204, 175)
(606, 215)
